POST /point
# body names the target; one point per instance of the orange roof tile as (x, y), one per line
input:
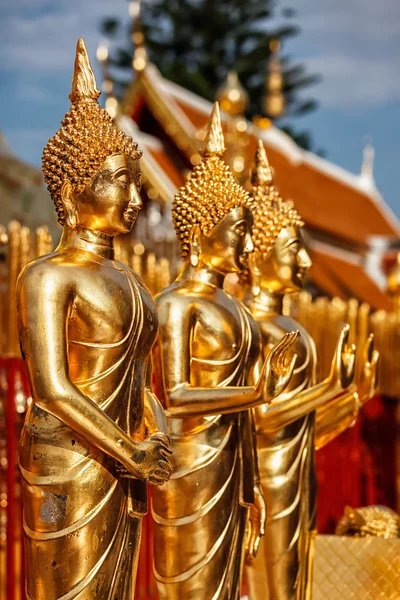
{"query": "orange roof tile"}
(167, 165)
(325, 202)
(348, 277)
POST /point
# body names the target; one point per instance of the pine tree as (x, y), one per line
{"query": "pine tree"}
(195, 43)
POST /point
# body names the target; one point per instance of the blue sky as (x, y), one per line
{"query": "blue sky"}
(354, 44)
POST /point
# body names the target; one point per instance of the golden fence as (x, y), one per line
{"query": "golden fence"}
(323, 318)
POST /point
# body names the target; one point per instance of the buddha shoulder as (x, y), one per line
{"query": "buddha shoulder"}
(45, 274)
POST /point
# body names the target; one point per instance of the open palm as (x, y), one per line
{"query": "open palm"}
(279, 365)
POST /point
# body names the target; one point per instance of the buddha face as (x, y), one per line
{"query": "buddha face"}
(111, 201)
(285, 269)
(227, 246)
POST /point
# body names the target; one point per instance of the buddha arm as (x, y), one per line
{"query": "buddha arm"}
(335, 417)
(44, 305)
(154, 416)
(291, 406)
(173, 358)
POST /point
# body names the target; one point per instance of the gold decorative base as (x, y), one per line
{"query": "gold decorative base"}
(348, 568)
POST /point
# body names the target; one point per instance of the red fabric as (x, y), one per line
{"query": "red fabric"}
(358, 468)
(15, 375)
(11, 453)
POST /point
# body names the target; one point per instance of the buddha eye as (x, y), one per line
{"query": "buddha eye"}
(241, 229)
(122, 180)
(138, 182)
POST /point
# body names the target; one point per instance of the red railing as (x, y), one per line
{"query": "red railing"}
(14, 399)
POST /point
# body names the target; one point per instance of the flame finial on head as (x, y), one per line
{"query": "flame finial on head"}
(211, 191)
(86, 138)
(261, 173)
(271, 213)
(214, 143)
(83, 81)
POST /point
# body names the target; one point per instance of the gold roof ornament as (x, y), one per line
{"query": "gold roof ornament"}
(274, 99)
(111, 103)
(86, 138)
(271, 212)
(232, 96)
(214, 143)
(140, 58)
(261, 173)
(211, 191)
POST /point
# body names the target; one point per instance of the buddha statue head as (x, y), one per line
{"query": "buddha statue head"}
(91, 168)
(212, 213)
(280, 260)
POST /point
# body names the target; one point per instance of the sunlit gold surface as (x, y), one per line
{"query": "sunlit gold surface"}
(95, 433)
(209, 372)
(285, 429)
(349, 568)
(369, 521)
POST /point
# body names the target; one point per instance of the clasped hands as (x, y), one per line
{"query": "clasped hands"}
(150, 460)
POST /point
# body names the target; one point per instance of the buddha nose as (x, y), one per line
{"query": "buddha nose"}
(135, 201)
(304, 259)
(249, 246)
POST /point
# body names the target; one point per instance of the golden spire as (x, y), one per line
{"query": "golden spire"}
(214, 143)
(140, 59)
(83, 82)
(274, 100)
(261, 173)
(111, 103)
(232, 96)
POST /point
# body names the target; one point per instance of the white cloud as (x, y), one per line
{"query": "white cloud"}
(355, 46)
(352, 82)
(44, 38)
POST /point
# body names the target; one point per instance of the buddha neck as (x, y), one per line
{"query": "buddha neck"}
(266, 302)
(203, 274)
(89, 240)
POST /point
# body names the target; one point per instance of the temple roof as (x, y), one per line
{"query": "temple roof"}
(340, 209)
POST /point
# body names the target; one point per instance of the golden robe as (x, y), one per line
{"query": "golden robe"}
(82, 523)
(286, 459)
(201, 514)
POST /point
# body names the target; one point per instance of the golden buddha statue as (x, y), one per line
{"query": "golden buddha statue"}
(286, 428)
(208, 376)
(94, 434)
(369, 521)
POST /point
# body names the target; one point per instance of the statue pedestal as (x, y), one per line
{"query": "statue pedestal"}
(349, 568)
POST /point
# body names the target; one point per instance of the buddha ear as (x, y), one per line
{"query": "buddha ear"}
(194, 245)
(68, 200)
(254, 273)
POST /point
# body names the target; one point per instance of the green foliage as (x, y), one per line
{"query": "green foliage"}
(195, 43)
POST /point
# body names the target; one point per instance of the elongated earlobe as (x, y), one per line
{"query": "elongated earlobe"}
(67, 197)
(195, 246)
(254, 274)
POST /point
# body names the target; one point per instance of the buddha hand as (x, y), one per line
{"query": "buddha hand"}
(279, 366)
(344, 361)
(369, 375)
(150, 460)
(256, 524)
